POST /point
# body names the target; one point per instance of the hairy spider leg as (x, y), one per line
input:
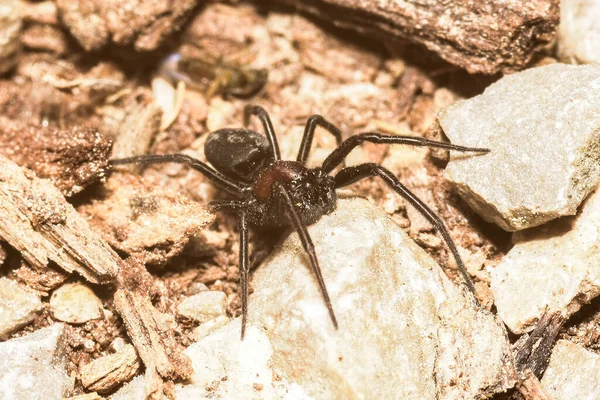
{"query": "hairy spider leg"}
(339, 154)
(309, 131)
(216, 177)
(243, 264)
(309, 248)
(349, 175)
(263, 116)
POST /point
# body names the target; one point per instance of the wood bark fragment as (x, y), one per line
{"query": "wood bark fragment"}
(104, 374)
(39, 223)
(71, 159)
(530, 388)
(151, 331)
(532, 355)
(480, 36)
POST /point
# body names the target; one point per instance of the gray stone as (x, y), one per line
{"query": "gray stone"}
(579, 31)
(543, 128)
(18, 306)
(552, 267)
(203, 306)
(227, 368)
(33, 367)
(405, 331)
(573, 373)
(75, 303)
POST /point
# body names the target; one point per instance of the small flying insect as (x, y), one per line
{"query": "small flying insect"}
(212, 75)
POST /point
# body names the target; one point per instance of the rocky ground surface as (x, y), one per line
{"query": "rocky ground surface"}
(119, 282)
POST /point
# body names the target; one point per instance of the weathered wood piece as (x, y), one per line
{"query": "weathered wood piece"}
(150, 331)
(480, 36)
(36, 220)
(106, 373)
(532, 355)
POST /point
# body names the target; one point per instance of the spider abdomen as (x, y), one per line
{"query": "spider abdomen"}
(311, 191)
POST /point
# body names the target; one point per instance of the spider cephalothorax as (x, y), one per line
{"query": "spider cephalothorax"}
(269, 193)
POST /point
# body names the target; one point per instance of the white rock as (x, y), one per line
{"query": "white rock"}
(18, 306)
(554, 266)
(543, 128)
(573, 373)
(405, 331)
(203, 306)
(227, 368)
(33, 367)
(208, 327)
(579, 31)
(75, 303)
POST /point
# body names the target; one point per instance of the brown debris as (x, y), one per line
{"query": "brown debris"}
(482, 37)
(39, 223)
(48, 38)
(87, 396)
(41, 280)
(43, 12)
(530, 388)
(106, 373)
(150, 330)
(144, 220)
(331, 57)
(143, 24)
(136, 127)
(10, 29)
(71, 159)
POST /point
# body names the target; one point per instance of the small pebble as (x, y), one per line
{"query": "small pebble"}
(203, 306)
(75, 303)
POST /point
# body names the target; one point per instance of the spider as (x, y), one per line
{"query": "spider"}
(273, 194)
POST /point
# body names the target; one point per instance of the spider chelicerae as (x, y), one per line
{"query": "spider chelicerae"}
(273, 194)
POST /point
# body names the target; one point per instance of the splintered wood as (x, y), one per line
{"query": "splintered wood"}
(150, 330)
(106, 373)
(43, 227)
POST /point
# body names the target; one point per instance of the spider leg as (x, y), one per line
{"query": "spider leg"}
(308, 247)
(243, 266)
(350, 175)
(309, 131)
(339, 154)
(216, 177)
(263, 116)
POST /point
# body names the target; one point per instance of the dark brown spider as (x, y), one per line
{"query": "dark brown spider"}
(273, 194)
